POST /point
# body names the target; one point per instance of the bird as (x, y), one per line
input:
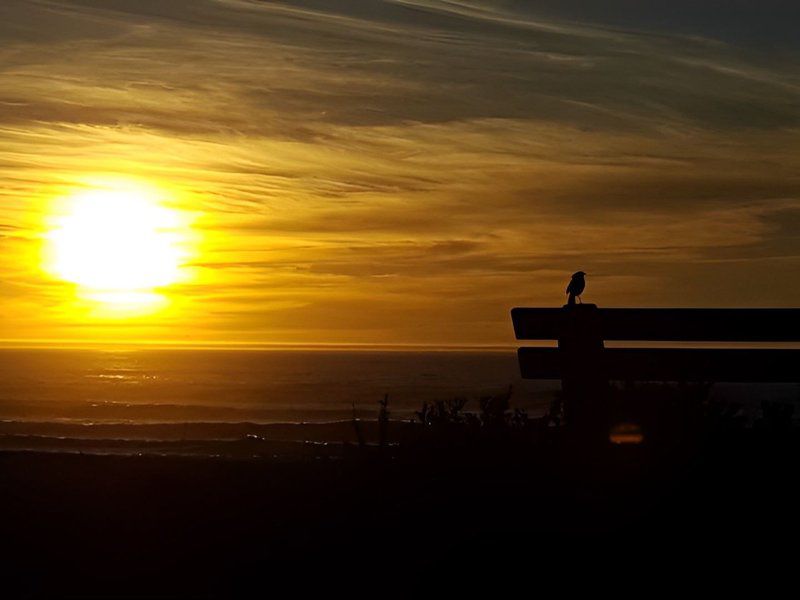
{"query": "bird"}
(575, 288)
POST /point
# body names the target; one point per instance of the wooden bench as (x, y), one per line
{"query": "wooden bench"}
(585, 365)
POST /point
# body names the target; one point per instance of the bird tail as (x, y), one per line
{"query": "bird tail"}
(571, 300)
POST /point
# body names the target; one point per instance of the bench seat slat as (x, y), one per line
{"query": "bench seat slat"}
(669, 324)
(675, 364)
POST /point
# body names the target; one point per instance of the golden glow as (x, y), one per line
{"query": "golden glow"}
(119, 244)
(626, 433)
(355, 201)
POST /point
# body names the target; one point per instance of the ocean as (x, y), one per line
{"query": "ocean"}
(264, 386)
(51, 396)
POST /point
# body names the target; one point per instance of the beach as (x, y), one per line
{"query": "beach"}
(80, 525)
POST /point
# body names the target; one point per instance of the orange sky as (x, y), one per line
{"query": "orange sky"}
(399, 172)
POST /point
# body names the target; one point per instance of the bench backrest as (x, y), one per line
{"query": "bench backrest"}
(668, 325)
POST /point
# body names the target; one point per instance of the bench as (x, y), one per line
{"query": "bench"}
(585, 366)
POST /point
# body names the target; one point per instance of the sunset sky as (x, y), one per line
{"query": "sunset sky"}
(390, 172)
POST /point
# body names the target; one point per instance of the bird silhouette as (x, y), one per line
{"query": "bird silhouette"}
(575, 288)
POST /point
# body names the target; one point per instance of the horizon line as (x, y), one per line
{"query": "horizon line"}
(60, 344)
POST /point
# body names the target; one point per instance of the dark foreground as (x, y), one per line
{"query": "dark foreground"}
(722, 515)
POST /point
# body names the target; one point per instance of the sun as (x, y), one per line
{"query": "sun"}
(117, 244)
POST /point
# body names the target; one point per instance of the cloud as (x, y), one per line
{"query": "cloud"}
(437, 161)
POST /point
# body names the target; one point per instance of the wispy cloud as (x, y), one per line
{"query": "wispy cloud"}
(406, 171)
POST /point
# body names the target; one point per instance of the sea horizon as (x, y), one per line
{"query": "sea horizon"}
(115, 345)
(275, 384)
(90, 400)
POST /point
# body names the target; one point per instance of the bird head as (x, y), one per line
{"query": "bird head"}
(578, 275)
